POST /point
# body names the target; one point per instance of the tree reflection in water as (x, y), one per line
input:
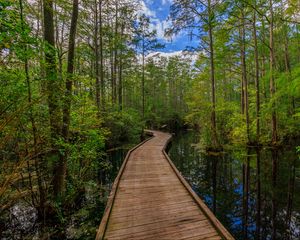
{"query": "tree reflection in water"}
(255, 193)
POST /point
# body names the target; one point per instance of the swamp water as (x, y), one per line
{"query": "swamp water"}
(21, 222)
(255, 194)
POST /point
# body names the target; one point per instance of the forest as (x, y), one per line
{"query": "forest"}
(80, 79)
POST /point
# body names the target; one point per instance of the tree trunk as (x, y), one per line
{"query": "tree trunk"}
(68, 90)
(120, 86)
(287, 62)
(112, 74)
(53, 91)
(215, 141)
(116, 40)
(101, 57)
(272, 83)
(42, 197)
(97, 57)
(256, 78)
(244, 72)
(143, 79)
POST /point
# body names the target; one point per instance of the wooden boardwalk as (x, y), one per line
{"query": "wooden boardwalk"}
(151, 200)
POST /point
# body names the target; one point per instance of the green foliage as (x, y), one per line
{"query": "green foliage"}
(177, 92)
(125, 126)
(86, 155)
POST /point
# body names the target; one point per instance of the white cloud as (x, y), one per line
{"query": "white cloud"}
(190, 56)
(156, 24)
(145, 10)
(158, 55)
(165, 54)
(160, 26)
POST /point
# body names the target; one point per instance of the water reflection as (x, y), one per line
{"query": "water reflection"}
(113, 162)
(21, 221)
(254, 193)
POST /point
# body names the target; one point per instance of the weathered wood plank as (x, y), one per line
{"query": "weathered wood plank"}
(151, 200)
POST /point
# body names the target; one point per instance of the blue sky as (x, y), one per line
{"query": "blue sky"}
(158, 11)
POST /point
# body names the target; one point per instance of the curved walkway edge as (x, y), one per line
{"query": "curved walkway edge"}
(151, 200)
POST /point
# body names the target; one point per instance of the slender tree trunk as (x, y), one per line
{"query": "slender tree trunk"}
(116, 41)
(244, 72)
(256, 78)
(298, 41)
(286, 51)
(287, 63)
(215, 141)
(97, 57)
(101, 56)
(242, 98)
(54, 94)
(59, 40)
(120, 86)
(272, 83)
(68, 90)
(42, 197)
(143, 78)
(112, 74)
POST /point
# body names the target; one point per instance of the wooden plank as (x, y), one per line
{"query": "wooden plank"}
(155, 221)
(141, 215)
(153, 206)
(219, 227)
(148, 229)
(107, 211)
(175, 231)
(151, 200)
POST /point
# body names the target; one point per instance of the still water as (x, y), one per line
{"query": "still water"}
(255, 194)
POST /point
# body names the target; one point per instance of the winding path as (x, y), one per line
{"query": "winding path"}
(151, 200)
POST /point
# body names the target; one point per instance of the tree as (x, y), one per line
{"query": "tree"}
(68, 90)
(257, 69)
(198, 18)
(145, 40)
(272, 65)
(54, 96)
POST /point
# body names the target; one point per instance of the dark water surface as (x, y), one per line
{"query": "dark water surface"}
(21, 221)
(255, 194)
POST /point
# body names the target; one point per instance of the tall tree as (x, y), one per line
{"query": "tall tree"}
(54, 96)
(101, 48)
(245, 100)
(272, 68)
(68, 90)
(42, 197)
(97, 57)
(198, 17)
(256, 59)
(146, 41)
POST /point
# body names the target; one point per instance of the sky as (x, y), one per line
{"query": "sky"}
(158, 11)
